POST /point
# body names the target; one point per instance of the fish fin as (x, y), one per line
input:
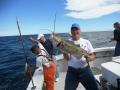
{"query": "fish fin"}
(78, 57)
(59, 51)
(70, 42)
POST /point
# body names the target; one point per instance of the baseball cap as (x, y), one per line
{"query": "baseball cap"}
(39, 36)
(75, 25)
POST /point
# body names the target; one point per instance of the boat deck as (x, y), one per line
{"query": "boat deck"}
(102, 55)
(60, 84)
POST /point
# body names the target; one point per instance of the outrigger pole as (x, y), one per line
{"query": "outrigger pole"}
(25, 52)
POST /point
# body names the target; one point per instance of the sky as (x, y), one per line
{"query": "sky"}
(39, 16)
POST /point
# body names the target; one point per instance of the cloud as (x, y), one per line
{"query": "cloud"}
(87, 9)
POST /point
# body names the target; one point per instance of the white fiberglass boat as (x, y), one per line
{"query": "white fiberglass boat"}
(105, 67)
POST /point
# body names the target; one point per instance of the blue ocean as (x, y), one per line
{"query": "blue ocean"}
(12, 57)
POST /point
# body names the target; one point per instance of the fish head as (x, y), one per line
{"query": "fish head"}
(56, 39)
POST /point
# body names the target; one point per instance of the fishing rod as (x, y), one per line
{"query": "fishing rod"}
(25, 52)
(47, 30)
(54, 25)
(55, 21)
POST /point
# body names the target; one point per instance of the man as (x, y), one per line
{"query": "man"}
(43, 60)
(117, 38)
(79, 70)
(47, 44)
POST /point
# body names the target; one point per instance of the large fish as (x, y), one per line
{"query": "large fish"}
(67, 46)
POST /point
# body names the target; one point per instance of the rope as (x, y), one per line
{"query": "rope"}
(47, 55)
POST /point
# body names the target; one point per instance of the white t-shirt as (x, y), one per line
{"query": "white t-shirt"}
(86, 45)
(41, 60)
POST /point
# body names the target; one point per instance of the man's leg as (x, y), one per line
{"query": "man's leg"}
(72, 79)
(56, 72)
(117, 50)
(88, 80)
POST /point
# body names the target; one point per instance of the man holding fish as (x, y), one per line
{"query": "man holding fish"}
(78, 52)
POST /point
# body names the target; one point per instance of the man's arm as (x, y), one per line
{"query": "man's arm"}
(33, 68)
(67, 56)
(37, 42)
(115, 35)
(90, 57)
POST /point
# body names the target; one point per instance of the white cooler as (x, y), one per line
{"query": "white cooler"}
(111, 71)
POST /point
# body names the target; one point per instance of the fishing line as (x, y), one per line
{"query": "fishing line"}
(19, 84)
(25, 52)
(7, 79)
(9, 82)
(47, 30)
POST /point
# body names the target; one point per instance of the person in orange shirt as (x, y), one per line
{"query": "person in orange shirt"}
(43, 59)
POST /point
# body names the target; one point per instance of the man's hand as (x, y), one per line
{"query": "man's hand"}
(112, 39)
(67, 56)
(30, 38)
(90, 57)
(33, 68)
